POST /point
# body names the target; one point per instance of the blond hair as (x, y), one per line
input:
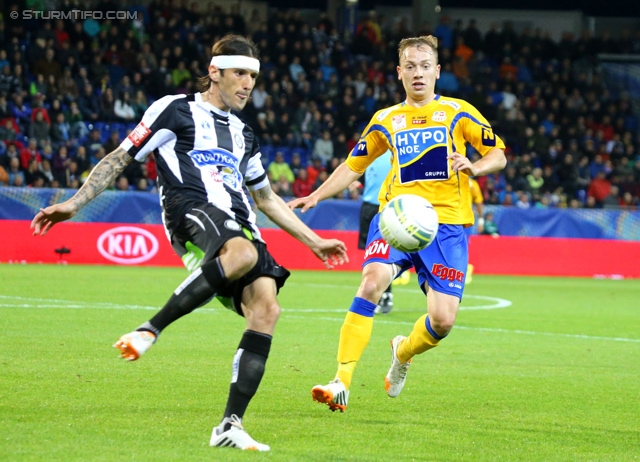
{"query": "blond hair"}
(418, 42)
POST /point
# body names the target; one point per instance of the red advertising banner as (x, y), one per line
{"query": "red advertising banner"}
(127, 244)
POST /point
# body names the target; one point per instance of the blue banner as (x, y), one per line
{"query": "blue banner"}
(344, 215)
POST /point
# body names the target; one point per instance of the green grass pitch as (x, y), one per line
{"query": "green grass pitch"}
(536, 369)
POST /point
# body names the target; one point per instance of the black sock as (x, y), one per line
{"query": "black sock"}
(388, 291)
(196, 290)
(248, 369)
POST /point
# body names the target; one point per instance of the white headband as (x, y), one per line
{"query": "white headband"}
(236, 62)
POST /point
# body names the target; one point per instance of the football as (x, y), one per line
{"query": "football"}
(409, 223)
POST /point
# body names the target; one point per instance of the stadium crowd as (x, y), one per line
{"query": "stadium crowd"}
(70, 91)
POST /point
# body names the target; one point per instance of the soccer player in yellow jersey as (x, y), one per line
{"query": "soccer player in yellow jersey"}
(426, 135)
(477, 201)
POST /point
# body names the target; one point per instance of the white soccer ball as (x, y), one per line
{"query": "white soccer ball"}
(409, 223)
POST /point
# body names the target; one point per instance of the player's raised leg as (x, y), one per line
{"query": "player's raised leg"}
(427, 332)
(236, 257)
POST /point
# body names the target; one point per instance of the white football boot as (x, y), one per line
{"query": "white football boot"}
(397, 375)
(235, 437)
(134, 344)
(335, 395)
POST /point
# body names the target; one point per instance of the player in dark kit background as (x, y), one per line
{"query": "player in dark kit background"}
(205, 157)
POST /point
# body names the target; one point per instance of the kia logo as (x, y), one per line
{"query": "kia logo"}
(127, 245)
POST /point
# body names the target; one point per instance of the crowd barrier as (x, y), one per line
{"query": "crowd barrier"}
(96, 236)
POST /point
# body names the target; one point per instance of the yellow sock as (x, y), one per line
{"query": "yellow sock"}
(419, 341)
(469, 277)
(354, 337)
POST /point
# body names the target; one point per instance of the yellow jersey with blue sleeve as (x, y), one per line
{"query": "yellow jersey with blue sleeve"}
(420, 139)
(476, 192)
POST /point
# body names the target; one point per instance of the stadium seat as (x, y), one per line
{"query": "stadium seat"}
(268, 154)
(286, 152)
(303, 153)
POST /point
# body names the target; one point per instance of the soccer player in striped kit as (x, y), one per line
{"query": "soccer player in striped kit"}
(206, 156)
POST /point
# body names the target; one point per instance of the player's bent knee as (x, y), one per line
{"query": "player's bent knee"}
(240, 257)
(442, 324)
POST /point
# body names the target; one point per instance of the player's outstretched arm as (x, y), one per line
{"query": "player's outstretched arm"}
(101, 176)
(331, 251)
(492, 161)
(339, 180)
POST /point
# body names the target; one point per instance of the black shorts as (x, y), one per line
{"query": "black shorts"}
(199, 238)
(367, 212)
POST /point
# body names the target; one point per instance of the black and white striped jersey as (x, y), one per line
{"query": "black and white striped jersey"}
(205, 154)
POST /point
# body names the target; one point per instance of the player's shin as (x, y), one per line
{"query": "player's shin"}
(354, 337)
(197, 289)
(421, 339)
(247, 371)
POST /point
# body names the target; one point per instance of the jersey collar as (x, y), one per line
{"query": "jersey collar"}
(210, 107)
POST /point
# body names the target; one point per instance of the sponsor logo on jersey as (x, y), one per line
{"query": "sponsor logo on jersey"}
(232, 225)
(377, 249)
(398, 122)
(216, 176)
(360, 150)
(447, 274)
(384, 114)
(221, 162)
(422, 154)
(128, 245)
(419, 121)
(453, 104)
(488, 137)
(215, 156)
(139, 134)
(439, 116)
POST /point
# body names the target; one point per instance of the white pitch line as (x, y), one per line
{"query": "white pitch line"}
(491, 329)
(23, 303)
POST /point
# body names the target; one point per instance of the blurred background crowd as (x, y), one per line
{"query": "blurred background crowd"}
(70, 91)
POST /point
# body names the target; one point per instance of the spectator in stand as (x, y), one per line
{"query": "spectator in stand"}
(612, 200)
(67, 87)
(107, 106)
(279, 168)
(490, 226)
(302, 187)
(322, 177)
(123, 109)
(89, 104)
(296, 164)
(323, 147)
(59, 165)
(76, 121)
(81, 159)
(93, 143)
(113, 141)
(314, 169)
(21, 111)
(29, 153)
(140, 104)
(283, 187)
(14, 172)
(10, 152)
(599, 188)
(8, 132)
(122, 184)
(61, 133)
(32, 173)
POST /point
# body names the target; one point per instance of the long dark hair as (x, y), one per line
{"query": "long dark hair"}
(230, 44)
